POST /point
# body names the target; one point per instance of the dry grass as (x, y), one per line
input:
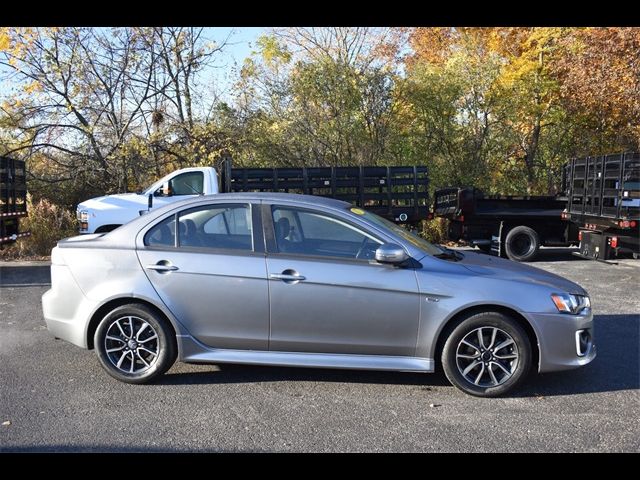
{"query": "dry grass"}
(435, 230)
(47, 223)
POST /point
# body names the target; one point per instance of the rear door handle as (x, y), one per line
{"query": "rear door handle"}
(160, 267)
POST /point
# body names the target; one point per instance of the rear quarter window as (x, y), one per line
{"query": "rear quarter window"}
(163, 234)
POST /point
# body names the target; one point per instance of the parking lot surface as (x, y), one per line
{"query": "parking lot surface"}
(55, 397)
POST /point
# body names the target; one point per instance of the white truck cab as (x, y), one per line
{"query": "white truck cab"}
(103, 214)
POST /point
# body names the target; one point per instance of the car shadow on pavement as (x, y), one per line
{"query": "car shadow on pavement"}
(234, 373)
(616, 367)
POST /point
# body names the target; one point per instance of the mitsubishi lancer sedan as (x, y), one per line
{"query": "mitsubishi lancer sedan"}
(294, 280)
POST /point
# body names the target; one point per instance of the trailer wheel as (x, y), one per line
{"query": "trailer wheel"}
(522, 244)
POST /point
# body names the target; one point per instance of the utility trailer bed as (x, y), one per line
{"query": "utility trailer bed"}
(513, 226)
(399, 194)
(604, 202)
(13, 199)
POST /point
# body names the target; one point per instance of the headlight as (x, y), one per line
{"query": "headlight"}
(83, 216)
(568, 303)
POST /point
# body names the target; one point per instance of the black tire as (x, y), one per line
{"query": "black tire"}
(522, 244)
(484, 248)
(499, 383)
(164, 345)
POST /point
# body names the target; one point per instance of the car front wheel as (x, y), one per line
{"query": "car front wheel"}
(487, 354)
(134, 344)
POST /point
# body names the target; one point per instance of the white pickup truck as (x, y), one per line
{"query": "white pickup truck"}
(399, 194)
(103, 214)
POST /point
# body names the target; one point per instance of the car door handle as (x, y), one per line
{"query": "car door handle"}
(159, 267)
(287, 277)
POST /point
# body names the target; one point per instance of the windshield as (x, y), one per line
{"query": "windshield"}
(414, 239)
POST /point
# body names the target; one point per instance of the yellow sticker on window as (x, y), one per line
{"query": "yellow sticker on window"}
(358, 211)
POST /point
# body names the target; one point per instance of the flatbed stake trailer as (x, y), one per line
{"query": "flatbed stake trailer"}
(509, 226)
(398, 193)
(604, 202)
(13, 199)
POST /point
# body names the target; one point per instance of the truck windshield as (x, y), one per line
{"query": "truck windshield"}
(417, 241)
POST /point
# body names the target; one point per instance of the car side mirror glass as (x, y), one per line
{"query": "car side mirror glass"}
(391, 253)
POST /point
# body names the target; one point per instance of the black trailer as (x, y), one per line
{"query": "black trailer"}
(511, 226)
(604, 202)
(399, 194)
(13, 199)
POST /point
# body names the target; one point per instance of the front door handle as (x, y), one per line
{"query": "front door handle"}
(288, 275)
(282, 276)
(162, 266)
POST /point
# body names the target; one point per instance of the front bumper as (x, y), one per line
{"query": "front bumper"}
(565, 341)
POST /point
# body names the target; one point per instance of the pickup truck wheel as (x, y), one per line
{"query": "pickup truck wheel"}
(135, 345)
(487, 354)
(522, 244)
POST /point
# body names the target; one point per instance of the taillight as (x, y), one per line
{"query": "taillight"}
(614, 242)
(633, 224)
(580, 235)
(624, 224)
(461, 218)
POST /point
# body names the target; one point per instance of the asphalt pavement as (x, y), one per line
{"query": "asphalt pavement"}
(55, 397)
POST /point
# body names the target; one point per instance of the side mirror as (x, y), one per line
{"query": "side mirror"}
(166, 189)
(391, 253)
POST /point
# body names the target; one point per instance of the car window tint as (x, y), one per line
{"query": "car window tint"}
(216, 226)
(163, 234)
(312, 233)
(189, 183)
(320, 227)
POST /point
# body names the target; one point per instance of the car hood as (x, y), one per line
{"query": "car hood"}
(120, 200)
(482, 264)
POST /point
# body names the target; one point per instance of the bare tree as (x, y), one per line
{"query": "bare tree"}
(83, 92)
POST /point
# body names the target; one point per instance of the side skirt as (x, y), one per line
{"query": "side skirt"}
(192, 351)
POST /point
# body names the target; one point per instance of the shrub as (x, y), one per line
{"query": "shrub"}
(435, 230)
(47, 223)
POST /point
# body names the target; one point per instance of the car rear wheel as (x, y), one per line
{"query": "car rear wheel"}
(487, 354)
(134, 344)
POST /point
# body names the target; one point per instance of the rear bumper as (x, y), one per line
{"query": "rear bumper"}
(65, 308)
(566, 341)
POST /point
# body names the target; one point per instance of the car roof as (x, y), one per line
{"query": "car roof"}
(124, 236)
(268, 197)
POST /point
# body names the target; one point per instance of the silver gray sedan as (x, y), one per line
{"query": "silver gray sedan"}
(285, 279)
